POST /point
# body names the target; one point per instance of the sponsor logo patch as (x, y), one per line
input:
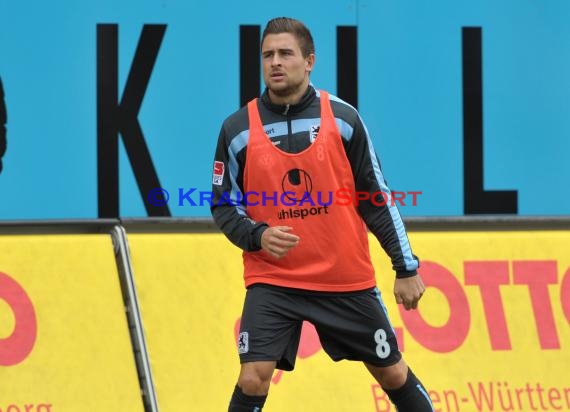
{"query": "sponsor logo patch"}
(218, 176)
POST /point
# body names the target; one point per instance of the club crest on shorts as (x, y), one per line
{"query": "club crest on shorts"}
(243, 342)
(314, 132)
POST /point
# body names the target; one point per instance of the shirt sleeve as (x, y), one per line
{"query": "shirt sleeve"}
(228, 208)
(381, 216)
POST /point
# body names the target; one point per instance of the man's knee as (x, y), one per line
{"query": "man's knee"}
(255, 377)
(252, 384)
(390, 377)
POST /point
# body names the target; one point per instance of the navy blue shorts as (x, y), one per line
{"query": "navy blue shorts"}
(351, 325)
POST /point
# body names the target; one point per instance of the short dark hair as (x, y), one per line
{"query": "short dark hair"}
(296, 28)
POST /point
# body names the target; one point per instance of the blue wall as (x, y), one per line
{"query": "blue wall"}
(409, 86)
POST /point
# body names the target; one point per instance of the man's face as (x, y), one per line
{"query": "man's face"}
(285, 70)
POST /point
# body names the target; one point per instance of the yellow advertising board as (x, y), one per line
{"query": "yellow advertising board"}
(491, 334)
(64, 339)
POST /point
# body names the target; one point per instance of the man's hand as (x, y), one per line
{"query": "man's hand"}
(277, 241)
(408, 291)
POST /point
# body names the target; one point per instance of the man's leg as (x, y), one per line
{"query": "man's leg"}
(252, 387)
(402, 387)
(269, 335)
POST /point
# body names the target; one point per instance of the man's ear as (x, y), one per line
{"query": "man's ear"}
(310, 62)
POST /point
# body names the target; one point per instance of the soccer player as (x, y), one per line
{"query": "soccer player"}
(278, 165)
